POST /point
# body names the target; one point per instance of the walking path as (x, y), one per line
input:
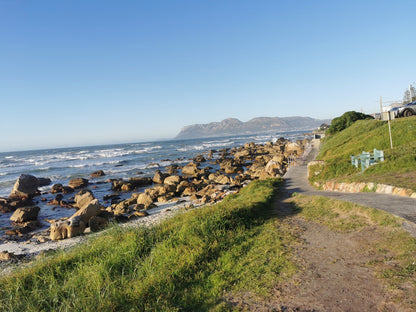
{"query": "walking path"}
(404, 207)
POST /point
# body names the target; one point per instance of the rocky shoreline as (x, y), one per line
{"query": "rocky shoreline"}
(206, 179)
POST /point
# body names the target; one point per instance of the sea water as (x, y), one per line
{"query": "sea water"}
(121, 161)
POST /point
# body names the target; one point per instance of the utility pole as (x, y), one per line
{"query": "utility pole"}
(388, 120)
(381, 108)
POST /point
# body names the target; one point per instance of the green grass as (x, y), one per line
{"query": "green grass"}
(184, 264)
(399, 167)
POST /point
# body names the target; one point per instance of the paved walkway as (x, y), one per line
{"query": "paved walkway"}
(405, 207)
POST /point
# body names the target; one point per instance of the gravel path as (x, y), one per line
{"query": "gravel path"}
(404, 207)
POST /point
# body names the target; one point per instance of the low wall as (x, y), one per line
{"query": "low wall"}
(356, 187)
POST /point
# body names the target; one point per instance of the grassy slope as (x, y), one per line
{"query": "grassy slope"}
(190, 262)
(399, 167)
(186, 263)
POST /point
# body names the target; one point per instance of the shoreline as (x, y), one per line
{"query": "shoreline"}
(259, 163)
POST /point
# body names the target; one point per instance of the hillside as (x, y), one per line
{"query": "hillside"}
(258, 125)
(399, 167)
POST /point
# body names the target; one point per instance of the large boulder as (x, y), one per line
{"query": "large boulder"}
(172, 180)
(83, 198)
(145, 200)
(72, 227)
(190, 169)
(88, 211)
(25, 186)
(25, 214)
(159, 177)
(78, 183)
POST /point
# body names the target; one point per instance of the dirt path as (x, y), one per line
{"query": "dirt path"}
(333, 272)
(333, 275)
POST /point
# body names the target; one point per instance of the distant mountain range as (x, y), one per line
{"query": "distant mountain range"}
(259, 125)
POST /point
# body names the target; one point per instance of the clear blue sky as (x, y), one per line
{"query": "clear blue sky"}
(91, 72)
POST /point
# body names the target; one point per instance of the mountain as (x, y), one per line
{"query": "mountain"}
(258, 125)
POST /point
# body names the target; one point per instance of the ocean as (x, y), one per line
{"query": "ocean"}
(121, 161)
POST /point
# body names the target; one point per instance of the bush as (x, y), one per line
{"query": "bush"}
(347, 119)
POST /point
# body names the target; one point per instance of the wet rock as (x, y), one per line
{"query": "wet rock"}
(116, 185)
(4, 205)
(78, 183)
(56, 201)
(44, 181)
(159, 177)
(25, 186)
(141, 182)
(199, 159)
(25, 214)
(97, 174)
(172, 170)
(59, 188)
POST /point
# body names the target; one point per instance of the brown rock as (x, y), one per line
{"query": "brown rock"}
(97, 174)
(72, 227)
(173, 169)
(190, 169)
(88, 211)
(59, 188)
(145, 200)
(172, 180)
(83, 198)
(199, 159)
(25, 186)
(6, 256)
(139, 182)
(159, 177)
(25, 214)
(78, 183)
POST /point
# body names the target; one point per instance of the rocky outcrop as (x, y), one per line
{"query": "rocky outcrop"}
(25, 186)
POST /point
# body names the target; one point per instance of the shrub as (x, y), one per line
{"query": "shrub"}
(347, 119)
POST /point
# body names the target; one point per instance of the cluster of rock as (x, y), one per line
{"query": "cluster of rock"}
(205, 179)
